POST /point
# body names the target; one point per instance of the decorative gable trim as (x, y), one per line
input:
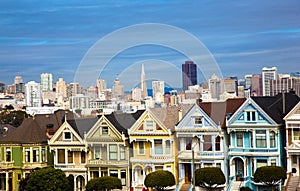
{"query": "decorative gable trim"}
(65, 127)
(242, 109)
(292, 112)
(143, 125)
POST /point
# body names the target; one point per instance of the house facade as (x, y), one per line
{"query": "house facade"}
(200, 144)
(153, 144)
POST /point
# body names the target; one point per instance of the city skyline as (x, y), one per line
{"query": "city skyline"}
(54, 37)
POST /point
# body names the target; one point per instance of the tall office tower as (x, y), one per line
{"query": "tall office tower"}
(285, 83)
(118, 90)
(33, 94)
(267, 75)
(20, 88)
(230, 86)
(256, 85)
(2, 87)
(158, 90)
(248, 78)
(136, 94)
(46, 82)
(61, 88)
(18, 80)
(189, 74)
(101, 86)
(143, 83)
(216, 87)
(73, 89)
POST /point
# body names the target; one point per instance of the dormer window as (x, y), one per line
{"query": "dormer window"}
(250, 116)
(198, 121)
(104, 130)
(67, 136)
(149, 125)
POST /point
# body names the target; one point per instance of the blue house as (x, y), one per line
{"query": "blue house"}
(257, 138)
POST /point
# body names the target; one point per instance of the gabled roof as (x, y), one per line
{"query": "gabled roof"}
(274, 105)
(219, 111)
(168, 116)
(33, 130)
(294, 114)
(5, 129)
(82, 125)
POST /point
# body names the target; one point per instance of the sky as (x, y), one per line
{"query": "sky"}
(65, 37)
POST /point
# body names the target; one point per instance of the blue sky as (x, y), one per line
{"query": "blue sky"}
(54, 36)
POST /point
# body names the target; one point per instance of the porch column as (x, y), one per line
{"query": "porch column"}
(6, 178)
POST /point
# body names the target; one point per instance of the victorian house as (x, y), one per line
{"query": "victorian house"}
(257, 137)
(153, 144)
(26, 149)
(108, 146)
(292, 121)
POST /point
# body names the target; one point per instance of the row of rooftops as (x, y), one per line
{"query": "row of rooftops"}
(38, 129)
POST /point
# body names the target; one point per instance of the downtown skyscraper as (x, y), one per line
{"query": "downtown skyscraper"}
(189, 74)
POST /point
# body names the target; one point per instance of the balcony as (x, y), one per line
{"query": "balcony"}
(200, 154)
(69, 166)
(254, 150)
(5, 165)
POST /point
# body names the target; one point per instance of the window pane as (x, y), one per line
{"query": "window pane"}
(67, 135)
(113, 152)
(61, 155)
(82, 156)
(207, 145)
(141, 148)
(272, 139)
(70, 157)
(239, 138)
(27, 155)
(158, 147)
(35, 156)
(97, 151)
(104, 130)
(122, 152)
(168, 147)
(261, 138)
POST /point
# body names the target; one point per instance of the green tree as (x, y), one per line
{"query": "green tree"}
(159, 180)
(103, 183)
(47, 179)
(209, 177)
(14, 118)
(270, 175)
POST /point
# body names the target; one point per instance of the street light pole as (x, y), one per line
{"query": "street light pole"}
(193, 170)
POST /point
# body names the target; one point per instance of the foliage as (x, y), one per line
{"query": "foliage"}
(209, 177)
(245, 189)
(103, 183)
(159, 180)
(47, 179)
(270, 175)
(71, 182)
(14, 118)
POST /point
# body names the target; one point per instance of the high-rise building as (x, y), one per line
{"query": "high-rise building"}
(285, 83)
(216, 87)
(267, 75)
(61, 88)
(248, 78)
(33, 94)
(158, 90)
(73, 89)
(46, 82)
(143, 83)
(118, 90)
(256, 85)
(18, 80)
(189, 74)
(101, 87)
(2, 87)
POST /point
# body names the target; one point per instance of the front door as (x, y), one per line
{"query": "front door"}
(239, 169)
(187, 173)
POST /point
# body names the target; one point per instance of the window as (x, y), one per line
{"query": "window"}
(239, 139)
(61, 155)
(296, 134)
(35, 155)
(8, 155)
(27, 155)
(67, 136)
(250, 116)
(168, 147)
(70, 156)
(251, 139)
(104, 130)
(261, 138)
(294, 159)
(207, 145)
(113, 173)
(123, 177)
(198, 121)
(122, 152)
(141, 148)
(217, 143)
(273, 162)
(113, 152)
(2, 181)
(158, 147)
(82, 157)
(261, 163)
(272, 139)
(97, 151)
(188, 143)
(159, 168)
(149, 125)
(43, 155)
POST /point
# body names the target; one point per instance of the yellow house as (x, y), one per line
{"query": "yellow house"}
(153, 144)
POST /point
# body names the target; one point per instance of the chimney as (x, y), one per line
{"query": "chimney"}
(179, 114)
(49, 130)
(283, 103)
